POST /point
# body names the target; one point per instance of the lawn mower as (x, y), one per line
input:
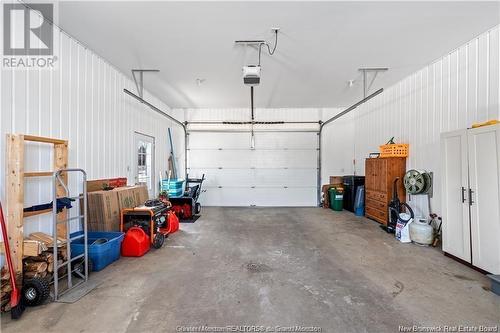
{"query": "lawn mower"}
(187, 206)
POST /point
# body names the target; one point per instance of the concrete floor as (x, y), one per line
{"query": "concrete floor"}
(276, 267)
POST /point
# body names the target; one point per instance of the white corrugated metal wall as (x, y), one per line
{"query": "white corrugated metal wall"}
(451, 93)
(337, 149)
(81, 101)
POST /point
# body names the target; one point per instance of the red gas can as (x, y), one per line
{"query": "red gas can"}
(135, 243)
(173, 222)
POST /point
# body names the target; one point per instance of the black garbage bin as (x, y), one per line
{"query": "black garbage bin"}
(351, 184)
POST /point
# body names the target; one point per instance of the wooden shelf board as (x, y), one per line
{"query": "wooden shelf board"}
(38, 174)
(43, 139)
(38, 212)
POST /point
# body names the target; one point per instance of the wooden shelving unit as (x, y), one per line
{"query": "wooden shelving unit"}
(15, 189)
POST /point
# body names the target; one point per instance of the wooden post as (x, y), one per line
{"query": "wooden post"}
(61, 162)
(15, 198)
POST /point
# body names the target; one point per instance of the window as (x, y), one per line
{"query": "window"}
(144, 150)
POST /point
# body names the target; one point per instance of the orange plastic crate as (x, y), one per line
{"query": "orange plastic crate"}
(394, 150)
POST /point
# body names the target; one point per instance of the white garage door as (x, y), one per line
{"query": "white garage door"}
(280, 171)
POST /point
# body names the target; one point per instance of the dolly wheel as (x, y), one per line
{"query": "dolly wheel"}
(35, 291)
(197, 208)
(79, 270)
(158, 240)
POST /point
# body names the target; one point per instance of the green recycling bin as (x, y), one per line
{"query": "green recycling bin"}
(336, 195)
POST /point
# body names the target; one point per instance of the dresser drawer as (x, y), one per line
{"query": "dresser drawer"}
(376, 214)
(376, 204)
(376, 195)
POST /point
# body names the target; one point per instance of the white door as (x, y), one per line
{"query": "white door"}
(281, 170)
(456, 225)
(484, 174)
(144, 148)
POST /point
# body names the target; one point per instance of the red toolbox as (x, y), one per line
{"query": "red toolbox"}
(117, 182)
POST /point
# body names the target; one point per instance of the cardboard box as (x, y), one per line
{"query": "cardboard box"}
(99, 184)
(140, 193)
(336, 180)
(96, 185)
(326, 196)
(104, 207)
(103, 211)
(126, 198)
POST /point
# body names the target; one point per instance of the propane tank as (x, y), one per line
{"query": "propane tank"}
(421, 232)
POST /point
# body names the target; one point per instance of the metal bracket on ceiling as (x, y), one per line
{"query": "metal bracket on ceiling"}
(256, 42)
(375, 71)
(140, 85)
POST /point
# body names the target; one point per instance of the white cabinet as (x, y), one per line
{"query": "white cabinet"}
(456, 224)
(470, 168)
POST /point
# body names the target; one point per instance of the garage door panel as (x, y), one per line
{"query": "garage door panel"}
(214, 196)
(253, 159)
(270, 197)
(256, 177)
(274, 140)
(290, 197)
(286, 177)
(285, 140)
(220, 177)
(216, 141)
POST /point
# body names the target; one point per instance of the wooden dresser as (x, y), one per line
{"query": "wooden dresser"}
(379, 176)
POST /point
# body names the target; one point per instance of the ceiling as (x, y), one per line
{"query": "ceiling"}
(321, 45)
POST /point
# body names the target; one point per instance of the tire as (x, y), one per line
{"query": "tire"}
(158, 240)
(35, 291)
(197, 208)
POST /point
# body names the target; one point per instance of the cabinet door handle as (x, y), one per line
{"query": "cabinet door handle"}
(470, 197)
(463, 194)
